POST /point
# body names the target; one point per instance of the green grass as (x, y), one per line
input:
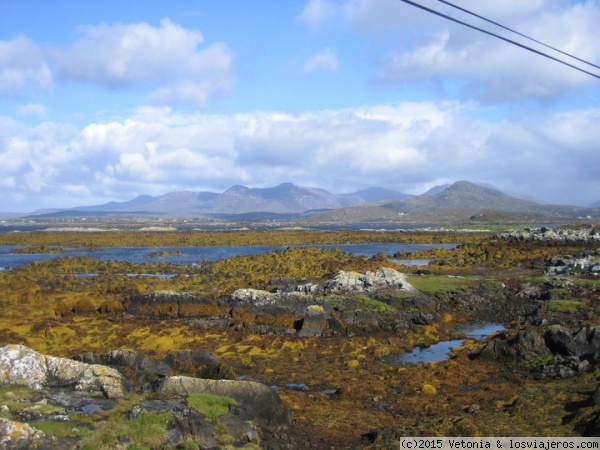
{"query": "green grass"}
(147, 431)
(566, 306)
(375, 306)
(212, 406)
(434, 284)
(60, 429)
(21, 398)
(536, 363)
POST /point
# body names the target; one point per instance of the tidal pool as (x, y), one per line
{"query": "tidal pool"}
(440, 351)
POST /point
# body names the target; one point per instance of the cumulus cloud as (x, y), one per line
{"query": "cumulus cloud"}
(406, 147)
(168, 57)
(417, 48)
(22, 63)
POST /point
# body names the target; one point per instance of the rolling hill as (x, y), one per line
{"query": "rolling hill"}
(459, 202)
(286, 199)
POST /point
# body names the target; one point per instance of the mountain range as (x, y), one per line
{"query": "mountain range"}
(288, 201)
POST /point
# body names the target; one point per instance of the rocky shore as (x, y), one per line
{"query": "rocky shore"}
(76, 390)
(294, 362)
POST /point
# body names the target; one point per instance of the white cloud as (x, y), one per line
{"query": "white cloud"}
(325, 61)
(317, 12)
(415, 47)
(32, 110)
(168, 58)
(22, 62)
(405, 147)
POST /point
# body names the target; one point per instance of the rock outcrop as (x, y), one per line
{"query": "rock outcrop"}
(368, 281)
(556, 353)
(142, 373)
(20, 365)
(17, 435)
(74, 386)
(305, 309)
(556, 234)
(257, 399)
(583, 264)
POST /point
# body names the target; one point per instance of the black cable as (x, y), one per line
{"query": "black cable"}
(520, 34)
(510, 41)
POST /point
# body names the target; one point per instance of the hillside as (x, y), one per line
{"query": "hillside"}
(285, 199)
(460, 202)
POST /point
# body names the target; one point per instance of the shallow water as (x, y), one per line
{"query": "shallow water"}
(440, 351)
(196, 255)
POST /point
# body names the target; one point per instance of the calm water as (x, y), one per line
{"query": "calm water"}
(195, 255)
(440, 351)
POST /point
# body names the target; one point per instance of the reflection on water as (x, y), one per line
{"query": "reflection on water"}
(440, 351)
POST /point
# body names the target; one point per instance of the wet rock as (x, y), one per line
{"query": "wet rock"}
(525, 344)
(314, 322)
(561, 368)
(585, 343)
(199, 363)
(20, 365)
(142, 373)
(258, 399)
(138, 369)
(189, 425)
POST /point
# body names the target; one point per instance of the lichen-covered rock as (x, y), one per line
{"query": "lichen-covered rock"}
(255, 297)
(20, 365)
(368, 281)
(17, 435)
(263, 402)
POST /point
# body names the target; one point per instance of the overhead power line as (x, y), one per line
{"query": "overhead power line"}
(510, 41)
(520, 34)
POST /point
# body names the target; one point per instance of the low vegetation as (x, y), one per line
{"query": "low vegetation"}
(212, 406)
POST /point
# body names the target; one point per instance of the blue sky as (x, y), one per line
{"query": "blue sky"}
(104, 101)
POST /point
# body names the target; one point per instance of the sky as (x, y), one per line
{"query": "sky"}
(105, 101)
